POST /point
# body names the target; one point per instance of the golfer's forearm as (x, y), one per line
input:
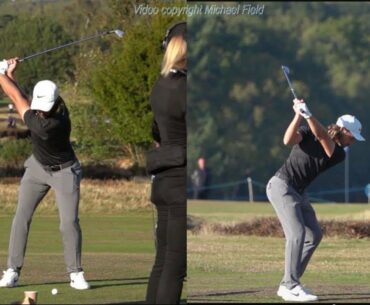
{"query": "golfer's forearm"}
(14, 93)
(291, 135)
(318, 130)
(321, 133)
(11, 76)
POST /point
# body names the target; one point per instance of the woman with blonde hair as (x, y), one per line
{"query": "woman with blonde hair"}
(315, 149)
(167, 163)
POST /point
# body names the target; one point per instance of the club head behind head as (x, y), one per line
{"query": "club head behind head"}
(119, 33)
(285, 69)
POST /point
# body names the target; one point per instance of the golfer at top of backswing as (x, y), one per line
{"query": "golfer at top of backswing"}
(53, 164)
(315, 149)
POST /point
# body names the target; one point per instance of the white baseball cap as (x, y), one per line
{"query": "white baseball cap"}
(44, 95)
(352, 124)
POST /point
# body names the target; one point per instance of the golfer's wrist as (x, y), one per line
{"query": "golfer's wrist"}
(10, 74)
(297, 117)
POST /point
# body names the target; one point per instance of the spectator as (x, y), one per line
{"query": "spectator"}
(12, 123)
(10, 108)
(200, 179)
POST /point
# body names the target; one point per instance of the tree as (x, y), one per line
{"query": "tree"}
(122, 81)
(24, 36)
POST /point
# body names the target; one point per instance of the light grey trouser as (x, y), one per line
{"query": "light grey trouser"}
(301, 228)
(35, 184)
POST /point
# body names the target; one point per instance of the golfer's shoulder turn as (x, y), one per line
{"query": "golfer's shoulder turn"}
(44, 126)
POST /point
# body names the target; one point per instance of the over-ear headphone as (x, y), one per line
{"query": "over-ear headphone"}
(178, 28)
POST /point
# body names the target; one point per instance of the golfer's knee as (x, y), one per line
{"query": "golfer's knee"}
(297, 236)
(22, 218)
(69, 226)
(314, 238)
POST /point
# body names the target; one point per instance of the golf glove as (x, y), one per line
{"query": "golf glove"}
(303, 110)
(3, 66)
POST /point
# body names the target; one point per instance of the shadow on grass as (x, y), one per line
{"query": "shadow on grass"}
(95, 284)
(204, 297)
(346, 297)
(132, 302)
(183, 301)
(215, 301)
(137, 281)
(220, 294)
(349, 297)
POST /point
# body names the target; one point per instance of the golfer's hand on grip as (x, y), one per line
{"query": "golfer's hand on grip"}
(301, 108)
(12, 65)
(3, 66)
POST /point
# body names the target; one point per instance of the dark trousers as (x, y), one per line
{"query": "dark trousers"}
(169, 270)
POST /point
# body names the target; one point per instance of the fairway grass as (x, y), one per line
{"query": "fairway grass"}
(248, 269)
(236, 211)
(118, 252)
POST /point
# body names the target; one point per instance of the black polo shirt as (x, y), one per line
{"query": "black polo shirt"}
(307, 160)
(168, 102)
(50, 137)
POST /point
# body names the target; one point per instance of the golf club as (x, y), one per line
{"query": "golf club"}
(119, 33)
(286, 72)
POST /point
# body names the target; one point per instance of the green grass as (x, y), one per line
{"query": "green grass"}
(235, 211)
(118, 253)
(248, 269)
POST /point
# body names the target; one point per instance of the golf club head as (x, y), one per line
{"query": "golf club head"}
(119, 33)
(285, 69)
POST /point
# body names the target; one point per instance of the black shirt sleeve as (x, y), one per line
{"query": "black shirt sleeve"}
(338, 155)
(38, 125)
(155, 131)
(304, 131)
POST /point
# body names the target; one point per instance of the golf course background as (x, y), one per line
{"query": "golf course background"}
(248, 268)
(239, 102)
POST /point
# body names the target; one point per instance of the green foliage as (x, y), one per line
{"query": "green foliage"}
(92, 133)
(239, 104)
(122, 81)
(13, 153)
(24, 36)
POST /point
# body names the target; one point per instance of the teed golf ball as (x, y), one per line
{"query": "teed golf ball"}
(54, 291)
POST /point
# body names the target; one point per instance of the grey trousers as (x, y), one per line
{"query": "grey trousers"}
(35, 184)
(301, 228)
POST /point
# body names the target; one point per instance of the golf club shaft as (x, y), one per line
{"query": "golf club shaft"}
(290, 84)
(63, 46)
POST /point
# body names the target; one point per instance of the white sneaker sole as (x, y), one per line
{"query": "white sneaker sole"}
(9, 286)
(80, 288)
(298, 299)
(291, 298)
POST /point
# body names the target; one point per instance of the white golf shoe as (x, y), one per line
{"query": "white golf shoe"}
(296, 294)
(9, 279)
(78, 281)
